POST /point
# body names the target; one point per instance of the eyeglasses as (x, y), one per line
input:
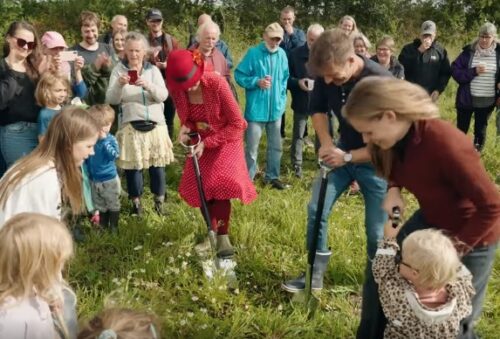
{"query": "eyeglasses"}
(21, 43)
(399, 262)
(486, 37)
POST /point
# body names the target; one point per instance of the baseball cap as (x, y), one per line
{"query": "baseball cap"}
(154, 14)
(53, 39)
(428, 27)
(274, 30)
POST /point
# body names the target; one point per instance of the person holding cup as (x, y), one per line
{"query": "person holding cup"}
(426, 62)
(301, 85)
(477, 72)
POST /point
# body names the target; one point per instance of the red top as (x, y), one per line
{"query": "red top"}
(221, 125)
(444, 172)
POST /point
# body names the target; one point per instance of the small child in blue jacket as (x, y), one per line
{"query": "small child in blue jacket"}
(101, 168)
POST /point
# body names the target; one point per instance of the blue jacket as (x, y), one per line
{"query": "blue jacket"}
(263, 105)
(101, 166)
(290, 42)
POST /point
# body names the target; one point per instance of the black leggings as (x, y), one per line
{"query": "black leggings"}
(481, 116)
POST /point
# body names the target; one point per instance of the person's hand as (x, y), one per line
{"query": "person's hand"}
(78, 64)
(143, 83)
(331, 156)
(302, 84)
(390, 231)
(183, 137)
(480, 69)
(96, 218)
(393, 198)
(198, 150)
(55, 62)
(265, 82)
(435, 95)
(161, 65)
(106, 61)
(288, 28)
(123, 79)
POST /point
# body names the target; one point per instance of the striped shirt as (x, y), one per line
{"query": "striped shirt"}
(483, 85)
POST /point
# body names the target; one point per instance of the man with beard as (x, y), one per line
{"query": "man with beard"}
(263, 73)
(162, 44)
(97, 56)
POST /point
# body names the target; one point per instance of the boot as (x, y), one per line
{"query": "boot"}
(224, 247)
(104, 219)
(158, 201)
(114, 217)
(299, 284)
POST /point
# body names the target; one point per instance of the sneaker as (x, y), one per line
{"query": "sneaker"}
(278, 184)
(298, 171)
(136, 207)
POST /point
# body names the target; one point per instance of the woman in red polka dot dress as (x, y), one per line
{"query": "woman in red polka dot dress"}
(206, 105)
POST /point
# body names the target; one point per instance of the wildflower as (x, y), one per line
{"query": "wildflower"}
(195, 298)
(137, 248)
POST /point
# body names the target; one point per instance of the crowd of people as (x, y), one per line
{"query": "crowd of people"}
(73, 120)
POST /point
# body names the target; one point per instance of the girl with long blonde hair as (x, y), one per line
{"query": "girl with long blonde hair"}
(35, 301)
(438, 164)
(49, 177)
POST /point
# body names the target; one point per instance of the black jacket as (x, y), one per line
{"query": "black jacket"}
(394, 67)
(430, 69)
(297, 65)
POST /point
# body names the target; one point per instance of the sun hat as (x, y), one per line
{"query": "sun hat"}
(53, 39)
(274, 30)
(184, 69)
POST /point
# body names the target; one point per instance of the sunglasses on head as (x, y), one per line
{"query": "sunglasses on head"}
(21, 43)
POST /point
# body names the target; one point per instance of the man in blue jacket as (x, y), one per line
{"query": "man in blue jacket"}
(263, 73)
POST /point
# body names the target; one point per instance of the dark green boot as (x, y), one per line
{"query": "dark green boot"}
(114, 217)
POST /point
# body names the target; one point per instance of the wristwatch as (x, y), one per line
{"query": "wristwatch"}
(347, 157)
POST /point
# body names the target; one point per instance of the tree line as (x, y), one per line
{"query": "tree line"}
(457, 20)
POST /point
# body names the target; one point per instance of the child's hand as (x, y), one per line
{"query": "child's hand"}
(96, 218)
(390, 231)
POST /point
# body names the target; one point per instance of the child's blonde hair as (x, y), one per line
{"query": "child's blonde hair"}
(433, 255)
(72, 125)
(124, 323)
(102, 113)
(43, 93)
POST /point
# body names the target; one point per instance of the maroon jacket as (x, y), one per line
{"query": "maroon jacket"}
(442, 169)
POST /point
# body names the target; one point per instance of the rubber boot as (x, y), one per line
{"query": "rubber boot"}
(299, 284)
(159, 205)
(104, 219)
(114, 217)
(224, 247)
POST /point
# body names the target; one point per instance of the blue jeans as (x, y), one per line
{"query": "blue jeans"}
(373, 189)
(273, 149)
(17, 140)
(135, 182)
(479, 262)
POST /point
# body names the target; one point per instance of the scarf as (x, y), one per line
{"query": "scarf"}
(480, 52)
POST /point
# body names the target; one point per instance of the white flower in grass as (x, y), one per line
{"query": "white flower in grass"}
(236, 291)
(167, 244)
(195, 298)
(213, 300)
(116, 281)
(188, 254)
(170, 260)
(184, 265)
(203, 310)
(142, 270)
(280, 307)
(190, 314)
(204, 326)
(137, 248)
(183, 322)
(175, 270)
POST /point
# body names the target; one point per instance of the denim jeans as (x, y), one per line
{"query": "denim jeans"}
(273, 148)
(17, 140)
(373, 189)
(479, 262)
(299, 127)
(135, 182)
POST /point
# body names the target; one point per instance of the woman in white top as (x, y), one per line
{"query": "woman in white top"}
(50, 176)
(138, 87)
(477, 71)
(35, 301)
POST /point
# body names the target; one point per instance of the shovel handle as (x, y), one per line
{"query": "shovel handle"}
(396, 216)
(191, 146)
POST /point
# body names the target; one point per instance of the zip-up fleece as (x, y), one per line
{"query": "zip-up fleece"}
(263, 105)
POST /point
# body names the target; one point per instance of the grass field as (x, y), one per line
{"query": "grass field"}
(151, 264)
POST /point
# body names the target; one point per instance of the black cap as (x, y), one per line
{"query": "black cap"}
(154, 14)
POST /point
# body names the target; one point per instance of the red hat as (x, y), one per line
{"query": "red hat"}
(184, 69)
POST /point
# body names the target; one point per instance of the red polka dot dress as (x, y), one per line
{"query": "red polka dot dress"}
(221, 126)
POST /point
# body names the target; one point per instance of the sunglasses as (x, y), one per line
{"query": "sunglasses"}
(21, 43)
(399, 262)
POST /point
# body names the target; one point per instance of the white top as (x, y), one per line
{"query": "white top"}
(28, 319)
(39, 192)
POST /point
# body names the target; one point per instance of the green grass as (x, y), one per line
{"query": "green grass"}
(151, 264)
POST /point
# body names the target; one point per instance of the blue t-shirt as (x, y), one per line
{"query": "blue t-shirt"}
(101, 166)
(44, 119)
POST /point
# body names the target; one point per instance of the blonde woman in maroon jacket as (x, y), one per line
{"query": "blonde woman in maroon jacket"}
(436, 163)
